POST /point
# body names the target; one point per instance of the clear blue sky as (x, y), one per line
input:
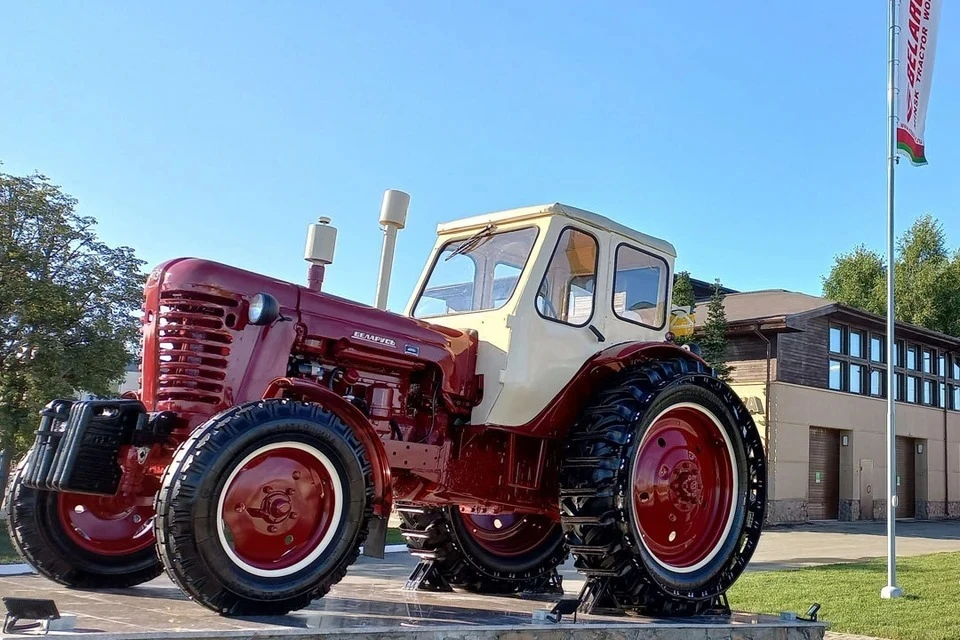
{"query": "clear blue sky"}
(751, 135)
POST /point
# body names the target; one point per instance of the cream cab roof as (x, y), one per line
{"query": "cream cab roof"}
(557, 209)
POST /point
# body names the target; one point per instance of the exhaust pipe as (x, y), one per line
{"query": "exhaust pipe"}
(321, 244)
(393, 217)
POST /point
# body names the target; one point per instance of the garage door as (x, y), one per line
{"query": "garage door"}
(823, 502)
(906, 478)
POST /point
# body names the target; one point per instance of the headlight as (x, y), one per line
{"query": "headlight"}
(264, 309)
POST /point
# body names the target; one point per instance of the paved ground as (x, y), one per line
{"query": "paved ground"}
(370, 600)
(790, 546)
(161, 603)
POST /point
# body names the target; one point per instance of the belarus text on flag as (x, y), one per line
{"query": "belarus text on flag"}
(917, 46)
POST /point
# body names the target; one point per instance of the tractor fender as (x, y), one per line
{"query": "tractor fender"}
(627, 353)
(555, 419)
(364, 430)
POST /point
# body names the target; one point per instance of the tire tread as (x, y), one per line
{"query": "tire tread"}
(592, 496)
(174, 526)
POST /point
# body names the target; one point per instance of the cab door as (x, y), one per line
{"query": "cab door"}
(559, 327)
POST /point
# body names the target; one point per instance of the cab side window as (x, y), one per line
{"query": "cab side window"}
(640, 287)
(567, 290)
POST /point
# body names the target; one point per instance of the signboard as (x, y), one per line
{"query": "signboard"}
(683, 321)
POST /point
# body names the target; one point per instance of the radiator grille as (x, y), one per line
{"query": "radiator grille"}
(194, 340)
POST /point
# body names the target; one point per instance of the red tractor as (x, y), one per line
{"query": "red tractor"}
(528, 405)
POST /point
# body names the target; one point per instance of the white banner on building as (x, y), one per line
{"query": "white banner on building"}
(917, 48)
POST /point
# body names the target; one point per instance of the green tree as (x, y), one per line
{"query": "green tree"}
(683, 297)
(713, 335)
(67, 305)
(926, 277)
(859, 279)
(683, 290)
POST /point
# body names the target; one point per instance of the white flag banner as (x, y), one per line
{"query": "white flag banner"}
(917, 48)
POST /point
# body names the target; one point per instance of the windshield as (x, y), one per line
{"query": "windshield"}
(477, 273)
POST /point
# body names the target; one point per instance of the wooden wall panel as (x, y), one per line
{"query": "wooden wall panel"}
(803, 357)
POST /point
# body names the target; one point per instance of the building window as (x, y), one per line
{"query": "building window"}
(928, 361)
(951, 370)
(856, 344)
(836, 375)
(836, 339)
(859, 363)
(876, 383)
(912, 388)
(856, 378)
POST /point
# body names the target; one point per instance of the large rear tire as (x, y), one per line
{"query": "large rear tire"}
(81, 541)
(663, 490)
(485, 554)
(264, 507)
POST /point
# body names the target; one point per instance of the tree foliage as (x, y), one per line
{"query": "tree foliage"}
(926, 279)
(713, 335)
(684, 298)
(683, 290)
(67, 304)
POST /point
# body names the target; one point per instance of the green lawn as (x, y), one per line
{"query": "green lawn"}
(849, 595)
(394, 537)
(9, 556)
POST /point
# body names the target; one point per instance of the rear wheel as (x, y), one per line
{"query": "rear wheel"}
(264, 508)
(82, 541)
(663, 490)
(503, 553)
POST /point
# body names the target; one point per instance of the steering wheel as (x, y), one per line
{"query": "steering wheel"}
(548, 309)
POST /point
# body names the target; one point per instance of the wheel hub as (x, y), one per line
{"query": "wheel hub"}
(683, 487)
(111, 526)
(686, 485)
(274, 509)
(508, 534)
(298, 496)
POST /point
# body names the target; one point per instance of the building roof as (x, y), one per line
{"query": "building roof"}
(779, 310)
(751, 306)
(702, 290)
(557, 209)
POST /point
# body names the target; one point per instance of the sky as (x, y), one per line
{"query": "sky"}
(751, 135)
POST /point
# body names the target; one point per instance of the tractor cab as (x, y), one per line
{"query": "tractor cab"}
(546, 288)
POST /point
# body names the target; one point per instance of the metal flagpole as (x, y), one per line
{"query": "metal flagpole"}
(891, 590)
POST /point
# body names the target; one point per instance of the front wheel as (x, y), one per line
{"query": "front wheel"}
(264, 508)
(663, 489)
(81, 541)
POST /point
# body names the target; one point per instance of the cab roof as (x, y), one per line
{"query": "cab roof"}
(556, 209)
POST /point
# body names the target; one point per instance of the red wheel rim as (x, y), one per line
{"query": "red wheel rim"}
(279, 509)
(508, 534)
(684, 487)
(106, 526)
